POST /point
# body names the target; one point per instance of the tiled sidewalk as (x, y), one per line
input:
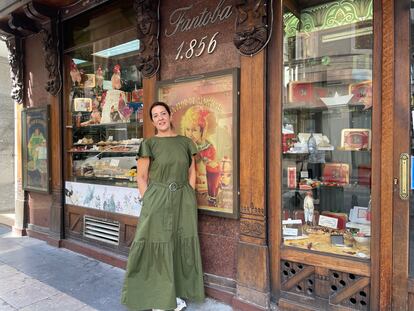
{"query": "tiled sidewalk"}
(37, 277)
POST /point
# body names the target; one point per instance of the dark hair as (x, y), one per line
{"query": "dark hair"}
(159, 104)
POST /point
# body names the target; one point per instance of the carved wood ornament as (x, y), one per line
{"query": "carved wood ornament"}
(15, 55)
(148, 23)
(252, 30)
(50, 47)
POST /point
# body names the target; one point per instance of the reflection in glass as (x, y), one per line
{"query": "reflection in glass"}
(326, 134)
(105, 107)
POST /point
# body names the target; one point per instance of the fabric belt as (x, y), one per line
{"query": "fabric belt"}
(172, 186)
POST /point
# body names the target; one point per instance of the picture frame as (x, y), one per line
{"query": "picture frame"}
(205, 109)
(356, 139)
(36, 149)
(82, 104)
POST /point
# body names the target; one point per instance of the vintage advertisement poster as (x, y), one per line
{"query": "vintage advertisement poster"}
(205, 109)
(121, 200)
(35, 149)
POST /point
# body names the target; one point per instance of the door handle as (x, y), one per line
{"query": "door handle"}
(404, 176)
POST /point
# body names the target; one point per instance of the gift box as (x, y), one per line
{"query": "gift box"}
(342, 218)
(356, 139)
(364, 175)
(300, 92)
(337, 173)
(288, 140)
(362, 93)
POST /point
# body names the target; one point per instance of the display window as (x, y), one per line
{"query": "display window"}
(326, 134)
(104, 115)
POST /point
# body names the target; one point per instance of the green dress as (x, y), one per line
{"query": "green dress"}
(164, 260)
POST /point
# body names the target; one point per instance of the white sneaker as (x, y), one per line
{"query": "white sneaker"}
(181, 305)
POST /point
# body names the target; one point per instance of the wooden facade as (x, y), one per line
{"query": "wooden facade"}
(244, 259)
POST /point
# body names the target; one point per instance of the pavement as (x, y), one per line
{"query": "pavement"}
(35, 276)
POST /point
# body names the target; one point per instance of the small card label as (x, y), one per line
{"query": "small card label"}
(304, 174)
(329, 222)
(292, 222)
(290, 231)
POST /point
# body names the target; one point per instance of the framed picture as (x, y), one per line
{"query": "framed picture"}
(82, 104)
(205, 109)
(356, 139)
(337, 173)
(35, 149)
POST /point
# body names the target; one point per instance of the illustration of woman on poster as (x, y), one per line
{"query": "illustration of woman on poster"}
(198, 123)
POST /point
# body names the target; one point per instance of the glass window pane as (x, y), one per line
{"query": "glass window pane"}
(99, 23)
(104, 105)
(327, 121)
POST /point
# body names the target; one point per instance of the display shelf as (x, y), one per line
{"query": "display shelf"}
(116, 124)
(97, 152)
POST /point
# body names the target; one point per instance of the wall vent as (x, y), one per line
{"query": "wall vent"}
(101, 230)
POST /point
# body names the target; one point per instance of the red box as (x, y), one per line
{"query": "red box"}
(291, 177)
(300, 92)
(288, 141)
(336, 173)
(342, 218)
(364, 175)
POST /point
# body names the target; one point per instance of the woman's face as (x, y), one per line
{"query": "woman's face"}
(194, 132)
(161, 119)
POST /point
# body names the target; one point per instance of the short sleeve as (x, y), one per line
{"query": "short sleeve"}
(144, 149)
(192, 149)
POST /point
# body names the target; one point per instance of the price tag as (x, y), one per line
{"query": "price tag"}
(114, 162)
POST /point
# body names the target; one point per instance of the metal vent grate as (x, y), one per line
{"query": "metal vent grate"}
(101, 230)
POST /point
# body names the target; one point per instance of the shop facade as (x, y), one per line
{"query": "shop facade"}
(301, 111)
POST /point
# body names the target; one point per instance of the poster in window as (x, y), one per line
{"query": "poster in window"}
(205, 109)
(35, 149)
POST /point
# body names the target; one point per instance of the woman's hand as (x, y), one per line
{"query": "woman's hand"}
(142, 174)
(192, 173)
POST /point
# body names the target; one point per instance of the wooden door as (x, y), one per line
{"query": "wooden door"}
(403, 203)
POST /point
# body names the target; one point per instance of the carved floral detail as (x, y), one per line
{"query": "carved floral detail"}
(253, 228)
(15, 55)
(148, 34)
(251, 31)
(50, 47)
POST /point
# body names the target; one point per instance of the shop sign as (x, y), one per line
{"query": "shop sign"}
(183, 20)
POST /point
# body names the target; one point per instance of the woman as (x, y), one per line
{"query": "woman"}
(164, 260)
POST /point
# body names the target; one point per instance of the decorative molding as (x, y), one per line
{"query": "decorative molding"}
(297, 278)
(349, 290)
(251, 27)
(253, 228)
(325, 16)
(16, 62)
(52, 59)
(252, 210)
(148, 24)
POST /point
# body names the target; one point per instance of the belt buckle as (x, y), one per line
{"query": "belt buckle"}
(173, 186)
